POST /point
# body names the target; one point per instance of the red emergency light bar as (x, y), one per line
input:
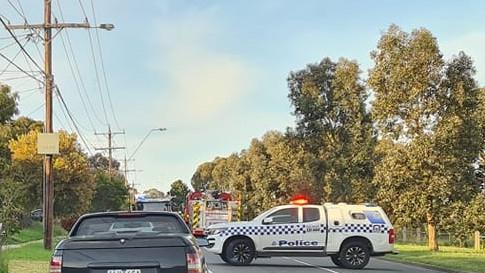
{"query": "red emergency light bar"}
(300, 200)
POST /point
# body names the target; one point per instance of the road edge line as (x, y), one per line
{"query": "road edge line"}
(312, 265)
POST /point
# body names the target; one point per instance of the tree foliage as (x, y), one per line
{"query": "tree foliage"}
(179, 191)
(425, 110)
(413, 146)
(110, 194)
(329, 102)
(154, 193)
(74, 183)
(100, 162)
(12, 210)
(8, 104)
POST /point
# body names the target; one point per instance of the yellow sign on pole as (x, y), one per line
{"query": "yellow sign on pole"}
(48, 143)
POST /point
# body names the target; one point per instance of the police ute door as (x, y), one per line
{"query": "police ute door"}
(314, 228)
(282, 230)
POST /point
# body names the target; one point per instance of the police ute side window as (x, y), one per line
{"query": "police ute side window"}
(358, 216)
(285, 216)
(311, 215)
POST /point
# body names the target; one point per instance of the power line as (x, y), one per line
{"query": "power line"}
(36, 109)
(83, 9)
(21, 47)
(21, 9)
(10, 37)
(20, 12)
(15, 78)
(73, 121)
(108, 91)
(19, 68)
(62, 123)
(9, 45)
(97, 77)
(78, 89)
(8, 64)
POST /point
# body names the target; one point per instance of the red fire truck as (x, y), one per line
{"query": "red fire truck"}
(203, 209)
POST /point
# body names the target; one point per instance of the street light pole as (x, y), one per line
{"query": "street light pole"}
(131, 158)
(144, 139)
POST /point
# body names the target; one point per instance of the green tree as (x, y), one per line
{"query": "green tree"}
(12, 130)
(100, 162)
(202, 176)
(8, 104)
(332, 121)
(73, 181)
(153, 193)
(12, 210)
(179, 191)
(110, 194)
(430, 138)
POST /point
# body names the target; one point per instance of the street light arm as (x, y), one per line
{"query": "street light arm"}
(144, 139)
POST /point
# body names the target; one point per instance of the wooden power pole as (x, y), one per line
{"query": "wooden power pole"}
(48, 204)
(48, 183)
(110, 148)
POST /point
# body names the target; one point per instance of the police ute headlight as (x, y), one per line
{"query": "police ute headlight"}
(216, 231)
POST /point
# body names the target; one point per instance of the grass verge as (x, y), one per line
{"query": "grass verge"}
(30, 258)
(3, 263)
(451, 258)
(33, 233)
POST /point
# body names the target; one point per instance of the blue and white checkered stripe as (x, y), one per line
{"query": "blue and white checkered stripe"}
(361, 228)
(264, 230)
(302, 229)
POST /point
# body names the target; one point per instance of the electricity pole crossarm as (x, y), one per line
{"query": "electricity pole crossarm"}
(60, 26)
(107, 148)
(110, 147)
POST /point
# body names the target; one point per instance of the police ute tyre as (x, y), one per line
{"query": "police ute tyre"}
(224, 258)
(336, 260)
(239, 252)
(354, 255)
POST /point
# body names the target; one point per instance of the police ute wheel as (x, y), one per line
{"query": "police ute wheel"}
(239, 252)
(354, 255)
(224, 258)
(336, 260)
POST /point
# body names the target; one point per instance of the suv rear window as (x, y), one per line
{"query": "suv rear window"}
(132, 224)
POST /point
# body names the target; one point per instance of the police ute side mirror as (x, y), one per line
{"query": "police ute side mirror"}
(202, 242)
(268, 221)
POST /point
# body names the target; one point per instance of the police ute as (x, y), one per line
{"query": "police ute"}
(349, 234)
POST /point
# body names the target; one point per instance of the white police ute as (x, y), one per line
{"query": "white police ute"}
(349, 234)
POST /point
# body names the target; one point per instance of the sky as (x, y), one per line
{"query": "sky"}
(212, 72)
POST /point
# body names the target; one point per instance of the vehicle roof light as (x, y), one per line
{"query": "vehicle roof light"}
(299, 201)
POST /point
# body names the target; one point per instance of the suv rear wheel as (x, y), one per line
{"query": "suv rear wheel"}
(354, 255)
(239, 252)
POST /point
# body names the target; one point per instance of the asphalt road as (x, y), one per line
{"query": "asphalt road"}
(307, 265)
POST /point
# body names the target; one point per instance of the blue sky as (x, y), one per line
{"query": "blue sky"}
(214, 72)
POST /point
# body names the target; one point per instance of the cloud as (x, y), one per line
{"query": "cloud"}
(203, 80)
(472, 44)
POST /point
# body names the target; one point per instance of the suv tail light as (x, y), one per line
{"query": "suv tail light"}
(392, 236)
(56, 263)
(194, 262)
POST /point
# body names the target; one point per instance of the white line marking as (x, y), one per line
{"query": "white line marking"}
(312, 265)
